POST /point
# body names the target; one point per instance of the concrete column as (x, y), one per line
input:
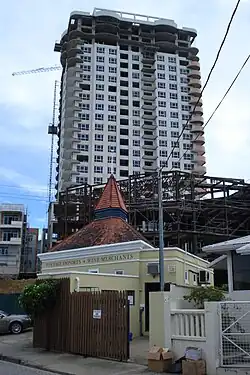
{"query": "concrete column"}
(159, 320)
(212, 329)
(230, 272)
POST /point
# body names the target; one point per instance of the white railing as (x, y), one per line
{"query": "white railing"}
(188, 325)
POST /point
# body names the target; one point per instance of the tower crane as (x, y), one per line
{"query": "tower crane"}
(39, 70)
(52, 128)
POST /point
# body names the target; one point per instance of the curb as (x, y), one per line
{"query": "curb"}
(21, 362)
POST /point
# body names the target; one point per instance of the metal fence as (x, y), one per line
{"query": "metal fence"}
(235, 334)
(94, 324)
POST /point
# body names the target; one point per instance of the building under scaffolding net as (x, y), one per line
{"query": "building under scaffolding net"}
(197, 212)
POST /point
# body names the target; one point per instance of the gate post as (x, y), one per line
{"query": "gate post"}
(213, 331)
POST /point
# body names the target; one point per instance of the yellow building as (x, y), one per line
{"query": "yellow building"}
(108, 254)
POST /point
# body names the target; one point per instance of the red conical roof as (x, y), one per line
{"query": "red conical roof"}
(111, 196)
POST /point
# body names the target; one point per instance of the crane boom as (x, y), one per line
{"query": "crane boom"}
(39, 70)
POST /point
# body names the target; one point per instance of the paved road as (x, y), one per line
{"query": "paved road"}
(7, 368)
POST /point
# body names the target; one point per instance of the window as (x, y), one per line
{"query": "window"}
(111, 159)
(100, 87)
(99, 137)
(174, 134)
(111, 128)
(112, 98)
(83, 148)
(172, 77)
(93, 270)
(185, 117)
(173, 105)
(160, 58)
(97, 180)
(136, 153)
(124, 93)
(186, 146)
(83, 137)
(163, 143)
(163, 133)
(135, 75)
(183, 71)
(136, 94)
(100, 59)
(176, 164)
(163, 163)
(184, 98)
(98, 158)
(84, 96)
(112, 79)
(99, 148)
(161, 76)
(172, 60)
(100, 77)
(112, 60)
(176, 154)
(195, 277)
(160, 67)
(99, 96)
(112, 149)
(136, 84)
(83, 116)
(85, 107)
(111, 117)
(83, 126)
(161, 94)
(112, 51)
(174, 124)
(172, 86)
(86, 68)
(161, 85)
(188, 156)
(174, 114)
(119, 272)
(162, 113)
(173, 95)
(175, 144)
(81, 180)
(185, 107)
(135, 66)
(99, 107)
(82, 168)
(172, 68)
(86, 77)
(87, 59)
(112, 69)
(87, 49)
(100, 68)
(136, 113)
(184, 80)
(100, 49)
(186, 278)
(135, 57)
(187, 136)
(188, 167)
(112, 108)
(99, 127)
(136, 133)
(136, 163)
(136, 142)
(111, 138)
(163, 153)
(162, 104)
(184, 89)
(162, 123)
(98, 169)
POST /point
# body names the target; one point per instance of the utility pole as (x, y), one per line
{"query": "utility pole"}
(161, 233)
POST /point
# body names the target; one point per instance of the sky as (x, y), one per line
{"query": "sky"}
(28, 31)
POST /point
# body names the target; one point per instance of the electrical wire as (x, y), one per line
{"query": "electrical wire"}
(208, 78)
(220, 102)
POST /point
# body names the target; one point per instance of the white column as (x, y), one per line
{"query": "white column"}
(230, 272)
(212, 330)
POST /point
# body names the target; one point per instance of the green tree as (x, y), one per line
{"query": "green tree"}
(202, 294)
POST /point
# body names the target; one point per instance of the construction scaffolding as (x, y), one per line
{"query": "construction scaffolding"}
(197, 212)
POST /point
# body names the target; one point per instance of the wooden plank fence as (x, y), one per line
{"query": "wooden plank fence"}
(71, 327)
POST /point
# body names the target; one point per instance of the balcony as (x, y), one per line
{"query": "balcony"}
(150, 147)
(199, 170)
(193, 82)
(148, 107)
(199, 149)
(197, 119)
(200, 160)
(149, 117)
(194, 65)
(12, 241)
(149, 136)
(148, 69)
(149, 157)
(148, 79)
(194, 91)
(198, 110)
(199, 139)
(149, 127)
(13, 224)
(149, 98)
(197, 129)
(149, 88)
(194, 74)
(193, 101)
(151, 168)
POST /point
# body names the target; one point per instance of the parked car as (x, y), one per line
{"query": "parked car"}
(13, 323)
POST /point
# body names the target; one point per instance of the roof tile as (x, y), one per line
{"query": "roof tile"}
(111, 196)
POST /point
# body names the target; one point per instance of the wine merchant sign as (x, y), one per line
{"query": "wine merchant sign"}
(91, 260)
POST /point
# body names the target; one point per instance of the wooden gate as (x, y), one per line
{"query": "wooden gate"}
(94, 324)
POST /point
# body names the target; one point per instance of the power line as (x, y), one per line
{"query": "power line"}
(208, 78)
(221, 101)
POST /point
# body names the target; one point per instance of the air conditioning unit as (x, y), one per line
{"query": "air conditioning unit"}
(172, 268)
(204, 277)
(153, 269)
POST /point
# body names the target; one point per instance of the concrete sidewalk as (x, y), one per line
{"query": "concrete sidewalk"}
(18, 349)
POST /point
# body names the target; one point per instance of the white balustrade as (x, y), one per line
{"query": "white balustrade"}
(188, 324)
